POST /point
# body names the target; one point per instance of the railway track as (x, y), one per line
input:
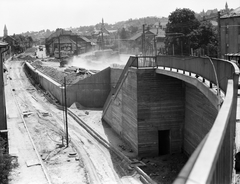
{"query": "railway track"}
(126, 164)
(21, 113)
(80, 140)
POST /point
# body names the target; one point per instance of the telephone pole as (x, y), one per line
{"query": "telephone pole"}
(219, 36)
(65, 105)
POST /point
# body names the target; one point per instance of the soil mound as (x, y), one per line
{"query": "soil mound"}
(26, 57)
(57, 75)
(77, 105)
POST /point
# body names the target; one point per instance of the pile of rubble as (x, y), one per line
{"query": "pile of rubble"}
(72, 74)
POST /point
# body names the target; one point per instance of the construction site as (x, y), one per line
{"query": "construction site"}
(114, 118)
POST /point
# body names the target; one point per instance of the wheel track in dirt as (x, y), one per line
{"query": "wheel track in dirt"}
(96, 177)
(29, 135)
(126, 161)
(26, 105)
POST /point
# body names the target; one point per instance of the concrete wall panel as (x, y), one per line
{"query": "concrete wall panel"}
(122, 112)
(160, 107)
(90, 92)
(200, 115)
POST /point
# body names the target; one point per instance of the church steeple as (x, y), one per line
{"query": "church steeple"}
(5, 31)
(226, 6)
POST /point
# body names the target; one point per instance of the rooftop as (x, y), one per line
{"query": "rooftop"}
(3, 44)
(233, 13)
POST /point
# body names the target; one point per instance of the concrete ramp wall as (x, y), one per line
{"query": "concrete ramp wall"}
(148, 104)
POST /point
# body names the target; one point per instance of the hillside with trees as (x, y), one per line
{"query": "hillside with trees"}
(131, 25)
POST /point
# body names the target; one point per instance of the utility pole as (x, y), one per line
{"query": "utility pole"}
(219, 36)
(173, 48)
(143, 41)
(59, 47)
(76, 45)
(65, 104)
(181, 48)
(155, 45)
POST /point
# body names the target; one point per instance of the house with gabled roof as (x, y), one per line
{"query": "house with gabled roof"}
(67, 42)
(153, 39)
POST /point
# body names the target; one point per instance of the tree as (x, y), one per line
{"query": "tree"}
(133, 30)
(123, 34)
(7, 163)
(184, 32)
(208, 38)
(181, 23)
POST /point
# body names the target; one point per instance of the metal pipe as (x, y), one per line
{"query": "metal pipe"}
(216, 78)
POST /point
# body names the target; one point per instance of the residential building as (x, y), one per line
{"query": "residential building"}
(67, 42)
(230, 34)
(105, 39)
(149, 42)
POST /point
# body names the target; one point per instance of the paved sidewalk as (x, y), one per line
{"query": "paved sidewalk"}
(29, 170)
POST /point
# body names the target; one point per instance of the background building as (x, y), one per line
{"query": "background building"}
(230, 34)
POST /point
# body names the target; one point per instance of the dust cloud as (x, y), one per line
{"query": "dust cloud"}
(90, 62)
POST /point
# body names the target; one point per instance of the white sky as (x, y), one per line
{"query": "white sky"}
(35, 15)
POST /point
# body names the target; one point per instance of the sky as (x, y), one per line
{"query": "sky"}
(34, 15)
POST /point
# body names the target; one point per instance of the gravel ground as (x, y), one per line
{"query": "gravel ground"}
(162, 169)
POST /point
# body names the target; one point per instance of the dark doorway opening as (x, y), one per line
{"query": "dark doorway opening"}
(163, 142)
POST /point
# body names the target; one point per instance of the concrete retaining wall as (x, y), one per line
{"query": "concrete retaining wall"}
(90, 92)
(122, 113)
(147, 104)
(160, 108)
(200, 115)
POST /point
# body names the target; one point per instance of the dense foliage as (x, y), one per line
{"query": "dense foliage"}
(185, 32)
(6, 163)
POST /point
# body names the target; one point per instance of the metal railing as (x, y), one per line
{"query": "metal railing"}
(212, 161)
(137, 62)
(202, 67)
(144, 62)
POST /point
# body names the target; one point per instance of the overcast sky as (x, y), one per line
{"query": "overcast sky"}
(35, 15)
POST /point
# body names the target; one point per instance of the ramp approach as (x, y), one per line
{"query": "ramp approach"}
(189, 102)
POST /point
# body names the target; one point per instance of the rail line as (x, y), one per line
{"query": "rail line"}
(126, 162)
(95, 177)
(29, 135)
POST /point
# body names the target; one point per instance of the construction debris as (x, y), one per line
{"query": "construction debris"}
(26, 113)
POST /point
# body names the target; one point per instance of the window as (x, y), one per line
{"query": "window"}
(239, 29)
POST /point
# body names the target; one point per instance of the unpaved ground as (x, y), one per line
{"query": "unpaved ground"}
(94, 164)
(46, 133)
(161, 169)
